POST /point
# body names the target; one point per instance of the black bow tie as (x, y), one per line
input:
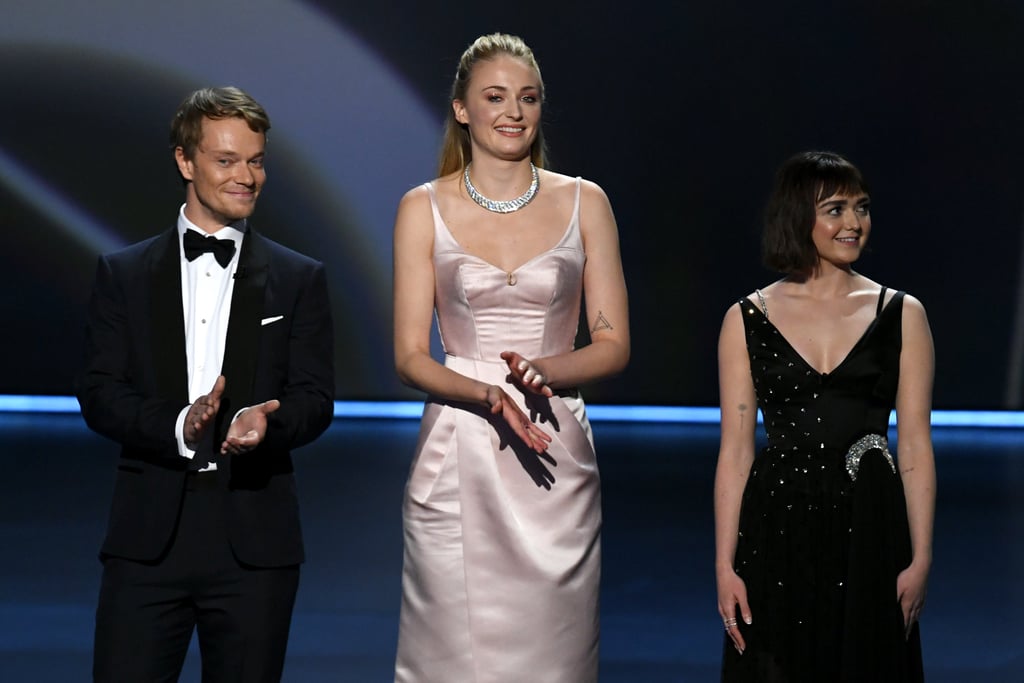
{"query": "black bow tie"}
(195, 244)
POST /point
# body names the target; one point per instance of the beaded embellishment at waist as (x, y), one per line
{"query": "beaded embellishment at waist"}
(863, 445)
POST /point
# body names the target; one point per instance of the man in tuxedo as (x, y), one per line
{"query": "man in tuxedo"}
(209, 357)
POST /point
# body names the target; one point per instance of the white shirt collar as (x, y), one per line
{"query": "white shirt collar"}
(233, 231)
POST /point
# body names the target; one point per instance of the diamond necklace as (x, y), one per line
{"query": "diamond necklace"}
(506, 205)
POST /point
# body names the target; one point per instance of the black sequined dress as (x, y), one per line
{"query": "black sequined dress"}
(823, 523)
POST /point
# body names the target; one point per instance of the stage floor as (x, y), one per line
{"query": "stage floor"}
(659, 620)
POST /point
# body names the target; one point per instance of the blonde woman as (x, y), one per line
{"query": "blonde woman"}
(502, 511)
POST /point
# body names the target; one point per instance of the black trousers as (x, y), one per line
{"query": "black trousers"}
(147, 612)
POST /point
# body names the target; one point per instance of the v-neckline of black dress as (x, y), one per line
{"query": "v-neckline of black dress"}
(849, 354)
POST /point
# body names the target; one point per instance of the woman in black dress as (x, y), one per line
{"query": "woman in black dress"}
(823, 541)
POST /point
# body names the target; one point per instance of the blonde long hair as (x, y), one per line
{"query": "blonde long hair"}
(456, 151)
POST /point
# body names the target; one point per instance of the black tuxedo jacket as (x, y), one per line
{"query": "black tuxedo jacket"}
(135, 383)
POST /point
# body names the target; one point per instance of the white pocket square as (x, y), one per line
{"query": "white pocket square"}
(274, 319)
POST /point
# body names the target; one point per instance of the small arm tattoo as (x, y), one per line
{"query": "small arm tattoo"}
(601, 323)
(743, 412)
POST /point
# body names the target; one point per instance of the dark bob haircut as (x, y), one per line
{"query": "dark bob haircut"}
(800, 183)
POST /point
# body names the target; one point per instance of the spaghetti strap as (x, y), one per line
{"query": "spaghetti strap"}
(764, 306)
(881, 301)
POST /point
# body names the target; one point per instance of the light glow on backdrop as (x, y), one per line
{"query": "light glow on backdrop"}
(680, 111)
(348, 137)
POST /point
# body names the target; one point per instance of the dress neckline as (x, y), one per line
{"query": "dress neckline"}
(849, 354)
(573, 222)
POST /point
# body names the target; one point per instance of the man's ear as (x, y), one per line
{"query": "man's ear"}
(185, 166)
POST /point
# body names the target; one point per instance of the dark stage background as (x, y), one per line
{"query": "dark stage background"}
(681, 111)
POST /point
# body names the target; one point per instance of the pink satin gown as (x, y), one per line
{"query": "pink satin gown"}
(502, 546)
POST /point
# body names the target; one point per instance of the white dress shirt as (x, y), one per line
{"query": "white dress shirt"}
(206, 290)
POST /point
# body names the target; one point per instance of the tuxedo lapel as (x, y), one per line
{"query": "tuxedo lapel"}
(242, 344)
(167, 324)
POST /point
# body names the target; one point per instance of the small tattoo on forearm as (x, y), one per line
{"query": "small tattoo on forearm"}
(601, 323)
(743, 413)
